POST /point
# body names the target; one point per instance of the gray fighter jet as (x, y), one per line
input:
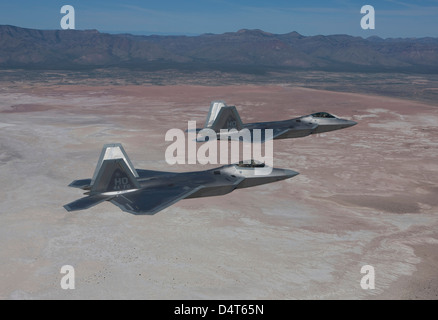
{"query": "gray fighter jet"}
(147, 192)
(226, 118)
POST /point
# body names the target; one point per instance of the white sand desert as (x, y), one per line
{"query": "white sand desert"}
(367, 195)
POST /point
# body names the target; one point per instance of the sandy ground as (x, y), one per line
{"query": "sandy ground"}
(366, 195)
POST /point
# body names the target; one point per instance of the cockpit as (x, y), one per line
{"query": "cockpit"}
(251, 164)
(322, 115)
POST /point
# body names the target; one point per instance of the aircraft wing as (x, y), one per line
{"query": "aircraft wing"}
(294, 132)
(279, 132)
(241, 136)
(152, 173)
(150, 201)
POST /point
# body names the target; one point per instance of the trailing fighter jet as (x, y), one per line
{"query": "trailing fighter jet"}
(226, 118)
(146, 192)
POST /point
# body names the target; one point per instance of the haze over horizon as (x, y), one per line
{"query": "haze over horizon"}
(394, 18)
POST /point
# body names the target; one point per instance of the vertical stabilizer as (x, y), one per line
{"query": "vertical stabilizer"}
(222, 116)
(110, 152)
(114, 176)
(215, 107)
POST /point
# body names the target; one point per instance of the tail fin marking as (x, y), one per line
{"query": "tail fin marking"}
(222, 116)
(114, 175)
(113, 151)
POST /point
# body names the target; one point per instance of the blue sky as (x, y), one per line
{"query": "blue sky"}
(394, 18)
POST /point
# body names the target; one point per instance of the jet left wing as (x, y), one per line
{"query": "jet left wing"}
(294, 132)
(150, 201)
(278, 132)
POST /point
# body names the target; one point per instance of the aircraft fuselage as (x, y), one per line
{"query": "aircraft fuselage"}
(218, 181)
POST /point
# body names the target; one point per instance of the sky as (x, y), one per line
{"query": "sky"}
(393, 18)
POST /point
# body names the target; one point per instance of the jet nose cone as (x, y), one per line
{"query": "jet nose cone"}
(351, 123)
(290, 173)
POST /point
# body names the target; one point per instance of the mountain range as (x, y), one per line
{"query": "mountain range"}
(241, 51)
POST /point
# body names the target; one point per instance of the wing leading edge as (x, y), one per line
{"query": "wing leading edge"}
(150, 201)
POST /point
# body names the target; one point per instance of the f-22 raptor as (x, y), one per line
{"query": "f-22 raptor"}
(222, 119)
(146, 192)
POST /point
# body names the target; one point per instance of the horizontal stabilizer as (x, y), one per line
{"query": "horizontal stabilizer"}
(81, 184)
(87, 202)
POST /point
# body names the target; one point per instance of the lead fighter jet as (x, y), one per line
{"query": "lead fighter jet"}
(147, 192)
(223, 117)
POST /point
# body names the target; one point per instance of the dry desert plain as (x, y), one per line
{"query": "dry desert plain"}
(366, 195)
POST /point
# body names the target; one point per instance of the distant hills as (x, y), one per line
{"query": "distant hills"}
(241, 51)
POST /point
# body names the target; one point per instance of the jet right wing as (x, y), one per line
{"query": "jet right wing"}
(248, 135)
(150, 201)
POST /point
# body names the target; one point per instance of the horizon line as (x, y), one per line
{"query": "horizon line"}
(179, 34)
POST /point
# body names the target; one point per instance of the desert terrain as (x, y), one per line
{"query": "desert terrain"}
(366, 195)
